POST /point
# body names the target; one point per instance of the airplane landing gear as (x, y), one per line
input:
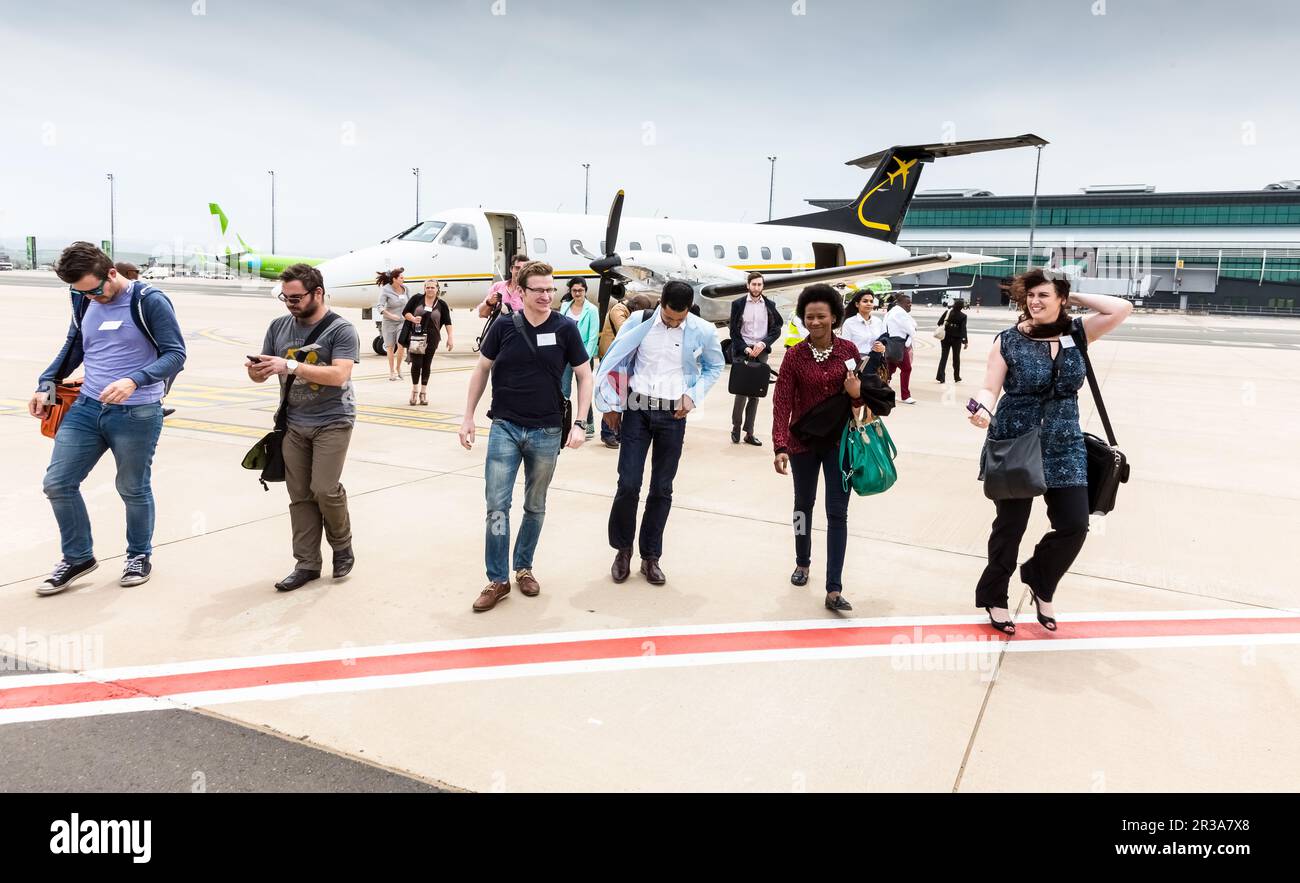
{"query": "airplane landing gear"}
(379, 346)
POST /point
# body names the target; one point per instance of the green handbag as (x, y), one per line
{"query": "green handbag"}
(867, 457)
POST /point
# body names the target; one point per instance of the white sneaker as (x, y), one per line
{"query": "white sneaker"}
(909, 401)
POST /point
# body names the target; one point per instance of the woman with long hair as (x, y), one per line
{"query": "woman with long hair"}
(426, 314)
(392, 297)
(817, 373)
(1038, 370)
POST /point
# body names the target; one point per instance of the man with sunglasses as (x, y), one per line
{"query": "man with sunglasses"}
(126, 336)
(320, 414)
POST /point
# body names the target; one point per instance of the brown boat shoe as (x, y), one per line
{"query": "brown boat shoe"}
(488, 598)
(527, 583)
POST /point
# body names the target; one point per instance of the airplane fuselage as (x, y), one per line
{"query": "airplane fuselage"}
(466, 250)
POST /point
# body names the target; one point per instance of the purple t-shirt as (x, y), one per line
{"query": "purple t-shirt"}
(116, 348)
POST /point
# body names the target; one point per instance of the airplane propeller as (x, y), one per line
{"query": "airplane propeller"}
(611, 285)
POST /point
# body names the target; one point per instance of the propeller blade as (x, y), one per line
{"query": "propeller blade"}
(611, 227)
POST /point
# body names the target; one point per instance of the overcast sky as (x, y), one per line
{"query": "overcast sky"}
(677, 102)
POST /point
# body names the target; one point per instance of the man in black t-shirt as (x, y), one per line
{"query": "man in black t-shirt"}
(524, 354)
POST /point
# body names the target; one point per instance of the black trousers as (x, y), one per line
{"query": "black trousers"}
(807, 467)
(421, 366)
(660, 435)
(955, 348)
(1067, 509)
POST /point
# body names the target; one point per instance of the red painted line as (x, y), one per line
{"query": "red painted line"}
(617, 648)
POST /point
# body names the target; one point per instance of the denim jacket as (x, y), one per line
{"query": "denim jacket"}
(701, 360)
(153, 314)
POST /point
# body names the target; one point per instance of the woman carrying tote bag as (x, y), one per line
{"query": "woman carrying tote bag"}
(1038, 370)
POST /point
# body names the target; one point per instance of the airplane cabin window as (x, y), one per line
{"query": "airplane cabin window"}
(426, 232)
(539, 246)
(693, 250)
(766, 253)
(743, 252)
(602, 246)
(574, 245)
(786, 255)
(634, 246)
(719, 252)
(460, 236)
(666, 247)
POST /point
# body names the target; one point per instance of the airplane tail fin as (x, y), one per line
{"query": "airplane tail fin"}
(232, 243)
(879, 209)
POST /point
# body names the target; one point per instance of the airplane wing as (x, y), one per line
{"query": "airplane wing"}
(901, 267)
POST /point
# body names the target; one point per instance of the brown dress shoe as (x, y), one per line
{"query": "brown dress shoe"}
(650, 567)
(527, 583)
(622, 567)
(488, 598)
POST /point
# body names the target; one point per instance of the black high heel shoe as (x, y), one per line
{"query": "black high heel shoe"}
(1026, 577)
(1007, 628)
(1047, 622)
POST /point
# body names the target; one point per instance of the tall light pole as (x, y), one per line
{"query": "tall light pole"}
(771, 186)
(272, 174)
(1033, 210)
(586, 187)
(112, 216)
(416, 172)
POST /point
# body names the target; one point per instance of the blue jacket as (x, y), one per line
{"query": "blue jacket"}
(701, 360)
(153, 314)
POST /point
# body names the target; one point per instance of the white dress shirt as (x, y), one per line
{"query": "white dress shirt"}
(863, 333)
(658, 369)
(753, 320)
(899, 323)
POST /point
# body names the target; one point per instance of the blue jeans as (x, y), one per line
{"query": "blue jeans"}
(88, 430)
(509, 445)
(659, 434)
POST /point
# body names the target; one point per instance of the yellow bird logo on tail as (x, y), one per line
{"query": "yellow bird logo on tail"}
(904, 166)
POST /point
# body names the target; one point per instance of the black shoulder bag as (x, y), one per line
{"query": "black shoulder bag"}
(1107, 466)
(566, 406)
(268, 454)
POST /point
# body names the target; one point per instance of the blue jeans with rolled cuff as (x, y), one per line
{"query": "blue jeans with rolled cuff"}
(88, 430)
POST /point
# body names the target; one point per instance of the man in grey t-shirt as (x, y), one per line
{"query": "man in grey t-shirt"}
(321, 411)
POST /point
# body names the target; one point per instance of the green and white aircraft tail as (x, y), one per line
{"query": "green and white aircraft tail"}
(242, 258)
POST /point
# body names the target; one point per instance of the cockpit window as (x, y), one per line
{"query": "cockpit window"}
(461, 236)
(425, 232)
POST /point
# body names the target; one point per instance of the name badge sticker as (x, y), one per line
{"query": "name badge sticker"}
(111, 325)
(546, 339)
(1067, 343)
(851, 364)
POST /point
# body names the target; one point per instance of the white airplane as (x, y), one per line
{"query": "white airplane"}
(468, 249)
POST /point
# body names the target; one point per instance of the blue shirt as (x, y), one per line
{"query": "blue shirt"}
(116, 348)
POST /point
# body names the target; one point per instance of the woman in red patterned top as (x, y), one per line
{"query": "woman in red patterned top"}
(818, 368)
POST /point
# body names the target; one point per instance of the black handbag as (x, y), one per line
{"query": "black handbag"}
(895, 348)
(749, 377)
(1108, 468)
(267, 454)
(1012, 468)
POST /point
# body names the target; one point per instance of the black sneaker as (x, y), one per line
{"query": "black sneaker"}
(65, 573)
(136, 571)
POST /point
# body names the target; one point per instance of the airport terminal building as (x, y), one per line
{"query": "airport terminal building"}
(1225, 250)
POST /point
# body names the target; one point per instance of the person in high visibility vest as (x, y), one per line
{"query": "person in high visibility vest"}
(794, 331)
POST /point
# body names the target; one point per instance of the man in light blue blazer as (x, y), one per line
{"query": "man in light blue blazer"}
(658, 370)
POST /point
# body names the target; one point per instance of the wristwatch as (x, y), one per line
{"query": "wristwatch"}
(291, 365)
(578, 423)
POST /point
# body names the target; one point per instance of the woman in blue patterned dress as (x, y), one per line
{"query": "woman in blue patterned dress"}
(1039, 371)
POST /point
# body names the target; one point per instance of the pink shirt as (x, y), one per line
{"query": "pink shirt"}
(510, 295)
(753, 321)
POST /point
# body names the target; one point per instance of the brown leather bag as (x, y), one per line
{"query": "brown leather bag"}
(64, 395)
